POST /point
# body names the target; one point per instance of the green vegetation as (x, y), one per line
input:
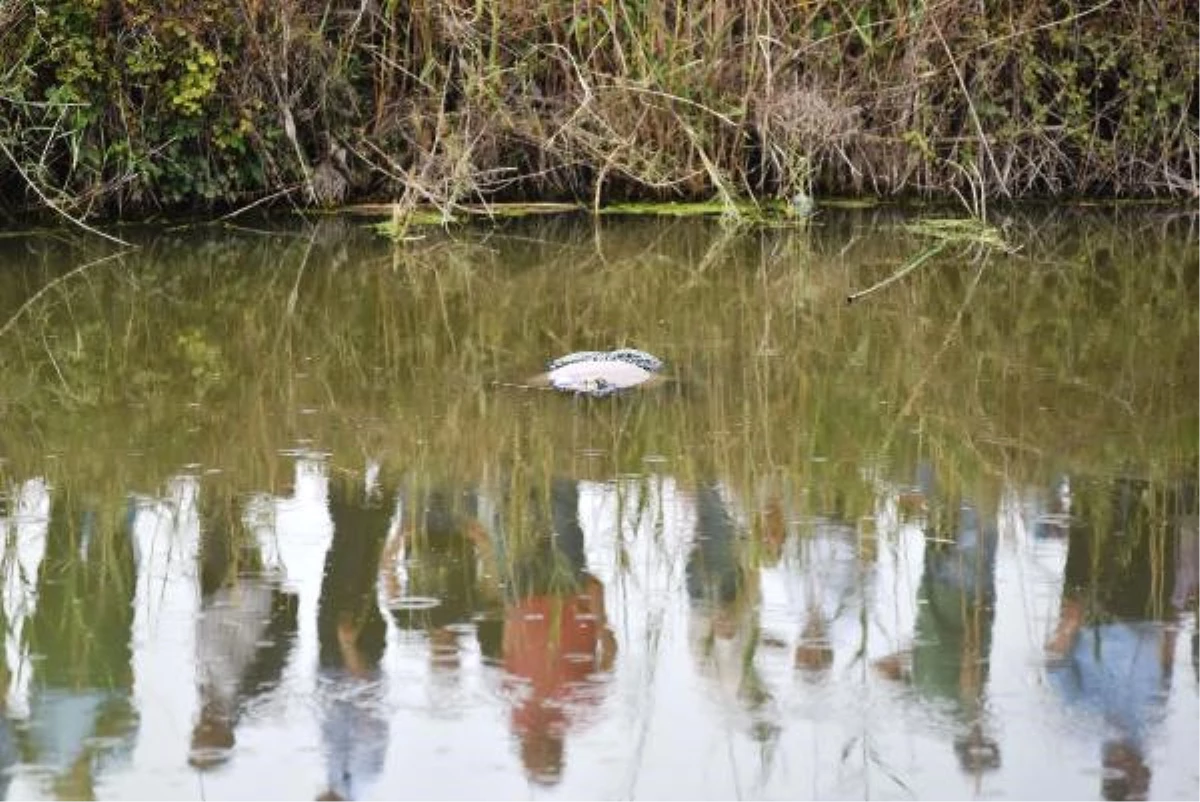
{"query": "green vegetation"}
(131, 107)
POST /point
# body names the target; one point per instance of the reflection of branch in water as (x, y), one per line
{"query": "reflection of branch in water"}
(8, 324)
(951, 331)
(870, 757)
(913, 264)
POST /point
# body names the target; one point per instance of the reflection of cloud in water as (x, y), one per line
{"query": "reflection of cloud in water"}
(890, 586)
(1032, 525)
(166, 538)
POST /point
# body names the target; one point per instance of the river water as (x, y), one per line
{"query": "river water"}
(282, 519)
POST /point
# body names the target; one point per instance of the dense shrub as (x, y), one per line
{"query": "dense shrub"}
(131, 106)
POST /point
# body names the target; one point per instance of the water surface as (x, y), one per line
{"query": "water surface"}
(277, 524)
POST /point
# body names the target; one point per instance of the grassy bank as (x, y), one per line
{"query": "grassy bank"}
(129, 108)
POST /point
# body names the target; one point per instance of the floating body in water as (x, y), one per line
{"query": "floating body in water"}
(601, 373)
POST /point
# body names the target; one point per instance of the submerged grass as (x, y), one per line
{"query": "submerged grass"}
(268, 340)
(404, 221)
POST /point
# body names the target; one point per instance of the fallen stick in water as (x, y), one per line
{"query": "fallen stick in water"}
(899, 274)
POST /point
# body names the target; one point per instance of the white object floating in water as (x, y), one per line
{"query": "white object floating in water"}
(601, 373)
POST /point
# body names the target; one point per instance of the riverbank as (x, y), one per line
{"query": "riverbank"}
(117, 110)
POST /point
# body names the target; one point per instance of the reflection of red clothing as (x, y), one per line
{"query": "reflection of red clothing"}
(549, 643)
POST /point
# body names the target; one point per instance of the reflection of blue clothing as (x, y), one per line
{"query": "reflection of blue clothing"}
(954, 620)
(8, 755)
(967, 564)
(64, 723)
(712, 567)
(354, 730)
(1115, 671)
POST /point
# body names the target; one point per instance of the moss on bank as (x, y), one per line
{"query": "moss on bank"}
(128, 107)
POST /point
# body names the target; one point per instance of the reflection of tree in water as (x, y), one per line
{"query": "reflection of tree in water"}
(1131, 567)
(724, 624)
(556, 637)
(81, 714)
(948, 661)
(351, 636)
(246, 628)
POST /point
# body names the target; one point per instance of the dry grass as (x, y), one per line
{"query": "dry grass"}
(456, 102)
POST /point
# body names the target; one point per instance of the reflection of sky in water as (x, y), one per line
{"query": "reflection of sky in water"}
(26, 530)
(697, 704)
(166, 535)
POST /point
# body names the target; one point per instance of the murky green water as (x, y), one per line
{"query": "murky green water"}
(276, 525)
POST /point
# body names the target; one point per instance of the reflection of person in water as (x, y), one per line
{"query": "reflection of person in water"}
(438, 589)
(246, 626)
(81, 715)
(1112, 651)
(949, 658)
(824, 562)
(556, 636)
(724, 627)
(951, 653)
(352, 637)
